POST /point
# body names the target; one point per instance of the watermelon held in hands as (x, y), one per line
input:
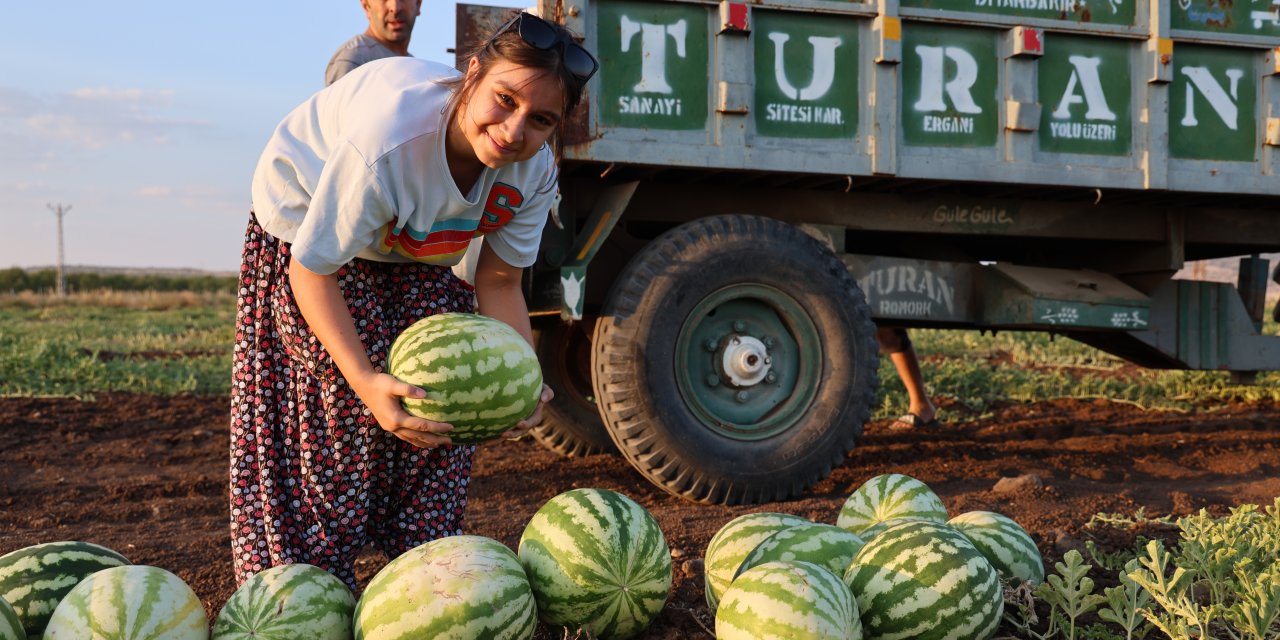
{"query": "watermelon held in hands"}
(454, 588)
(287, 602)
(134, 602)
(791, 600)
(480, 374)
(35, 579)
(597, 562)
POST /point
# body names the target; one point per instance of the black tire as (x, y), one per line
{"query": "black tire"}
(571, 424)
(646, 355)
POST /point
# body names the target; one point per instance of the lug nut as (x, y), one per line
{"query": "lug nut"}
(743, 396)
(771, 377)
(713, 380)
(739, 326)
(711, 345)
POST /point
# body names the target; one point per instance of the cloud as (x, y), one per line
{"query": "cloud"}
(191, 191)
(94, 118)
(107, 94)
(28, 186)
(197, 197)
(15, 103)
(20, 152)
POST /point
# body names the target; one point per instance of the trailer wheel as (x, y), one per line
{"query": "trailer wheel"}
(735, 361)
(571, 424)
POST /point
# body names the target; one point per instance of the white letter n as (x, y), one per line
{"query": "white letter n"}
(1223, 104)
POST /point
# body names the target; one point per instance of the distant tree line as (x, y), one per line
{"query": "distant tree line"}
(16, 279)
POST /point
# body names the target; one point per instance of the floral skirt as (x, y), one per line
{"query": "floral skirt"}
(313, 476)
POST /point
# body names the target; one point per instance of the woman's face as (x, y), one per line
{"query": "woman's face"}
(512, 111)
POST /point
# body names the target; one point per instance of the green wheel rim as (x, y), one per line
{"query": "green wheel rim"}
(760, 317)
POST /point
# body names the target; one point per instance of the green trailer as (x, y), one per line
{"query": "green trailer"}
(751, 186)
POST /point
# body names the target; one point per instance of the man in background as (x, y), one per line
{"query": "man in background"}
(390, 26)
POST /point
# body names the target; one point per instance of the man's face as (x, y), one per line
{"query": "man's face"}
(391, 21)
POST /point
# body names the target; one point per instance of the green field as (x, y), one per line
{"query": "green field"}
(170, 343)
(158, 343)
(974, 372)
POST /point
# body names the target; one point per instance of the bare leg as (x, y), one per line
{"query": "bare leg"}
(907, 364)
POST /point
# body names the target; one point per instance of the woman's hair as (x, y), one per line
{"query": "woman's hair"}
(510, 47)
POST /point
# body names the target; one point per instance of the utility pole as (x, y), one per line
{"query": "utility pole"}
(62, 281)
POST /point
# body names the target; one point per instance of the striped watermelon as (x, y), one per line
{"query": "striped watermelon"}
(1006, 545)
(597, 562)
(134, 602)
(925, 581)
(889, 496)
(287, 602)
(788, 600)
(731, 544)
(874, 530)
(10, 625)
(34, 579)
(455, 588)
(827, 546)
(480, 375)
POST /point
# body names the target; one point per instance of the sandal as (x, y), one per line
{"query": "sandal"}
(912, 421)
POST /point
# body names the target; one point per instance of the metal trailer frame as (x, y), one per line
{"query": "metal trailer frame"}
(1137, 216)
(1020, 226)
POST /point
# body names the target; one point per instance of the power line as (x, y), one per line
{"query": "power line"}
(62, 282)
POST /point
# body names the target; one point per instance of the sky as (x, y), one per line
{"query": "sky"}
(147, 119)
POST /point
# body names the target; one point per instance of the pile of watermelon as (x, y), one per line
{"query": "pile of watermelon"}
(893, 566)
(591, 560)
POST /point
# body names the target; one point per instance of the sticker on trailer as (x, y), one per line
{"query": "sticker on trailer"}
(1213, 112)
(654, 65)
(949, 78)
(806, 75)
(1119, 12)
(1241, 17)
(1087, 91)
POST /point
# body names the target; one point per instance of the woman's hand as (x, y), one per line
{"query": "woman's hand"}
(381, 392)
(534, 419)
(325, 310)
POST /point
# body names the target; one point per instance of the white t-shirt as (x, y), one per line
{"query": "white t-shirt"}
(359, 170)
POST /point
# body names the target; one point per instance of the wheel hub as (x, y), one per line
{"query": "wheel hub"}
(748, 361)
(744, 361)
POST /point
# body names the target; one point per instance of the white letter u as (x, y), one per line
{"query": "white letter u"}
(824, 66)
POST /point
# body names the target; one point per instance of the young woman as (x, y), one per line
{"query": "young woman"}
(364, 197)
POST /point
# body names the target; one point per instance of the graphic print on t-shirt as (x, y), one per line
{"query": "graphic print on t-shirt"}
(448, 238)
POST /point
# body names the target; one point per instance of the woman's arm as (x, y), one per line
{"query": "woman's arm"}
(498, 295)
(325, 310)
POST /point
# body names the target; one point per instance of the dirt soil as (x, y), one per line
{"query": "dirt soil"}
(147, 476)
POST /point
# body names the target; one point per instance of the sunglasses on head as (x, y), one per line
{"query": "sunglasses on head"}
(539, 34)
